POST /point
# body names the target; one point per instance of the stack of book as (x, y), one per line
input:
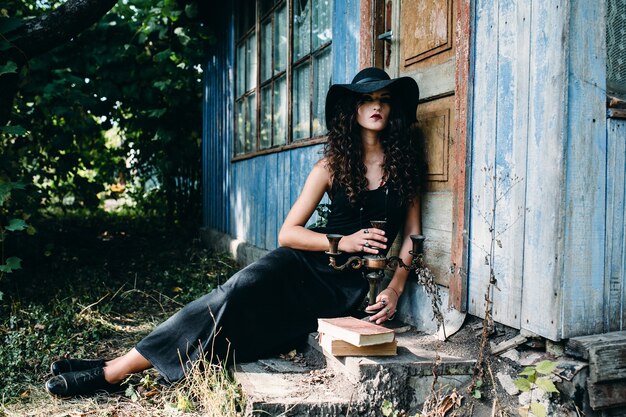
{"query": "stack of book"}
(349, 336)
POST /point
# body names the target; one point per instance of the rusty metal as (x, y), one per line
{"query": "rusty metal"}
(375, 265)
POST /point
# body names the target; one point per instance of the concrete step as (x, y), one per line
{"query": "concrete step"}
(324, 385)
(283, 387)
(406, 379)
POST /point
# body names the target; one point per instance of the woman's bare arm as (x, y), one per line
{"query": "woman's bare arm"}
(293, 233)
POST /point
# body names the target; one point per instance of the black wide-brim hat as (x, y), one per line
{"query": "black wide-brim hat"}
(404, 90)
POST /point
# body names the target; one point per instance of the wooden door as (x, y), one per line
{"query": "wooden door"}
(429, 41)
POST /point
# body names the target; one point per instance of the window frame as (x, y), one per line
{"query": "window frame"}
(240, 39)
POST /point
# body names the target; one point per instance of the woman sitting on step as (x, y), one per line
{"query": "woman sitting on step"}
(373, 169)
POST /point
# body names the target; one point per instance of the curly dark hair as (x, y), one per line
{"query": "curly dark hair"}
(404, 166)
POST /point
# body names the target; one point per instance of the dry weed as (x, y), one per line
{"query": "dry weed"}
(210, 389)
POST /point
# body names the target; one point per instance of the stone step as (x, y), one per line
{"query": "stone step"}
(324, 385)
(407, 378)
(280, 386)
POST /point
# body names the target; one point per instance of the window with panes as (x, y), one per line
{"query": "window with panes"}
(282, 72)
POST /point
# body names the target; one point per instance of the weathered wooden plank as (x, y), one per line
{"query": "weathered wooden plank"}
(508, 344)
(437, 79)
(301, 163)
(618, 127)
(234, 203)
(611, 394)
(285, 206)
(617, 113)
(615, 234)
(484, 110)
(286, 190)
(346, 40)
(510, 159)
(607, 362)
(436, 215)
(248, 198)
(261, 213)
(585, 181)
(367, 36)
(543, 228)
(458, 285)
(273, 221)
(579, 346)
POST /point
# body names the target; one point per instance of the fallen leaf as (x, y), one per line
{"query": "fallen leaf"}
(289, 356)
(450, 401)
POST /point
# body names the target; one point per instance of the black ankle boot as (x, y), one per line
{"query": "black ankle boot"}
(80, 383)
(72, 365)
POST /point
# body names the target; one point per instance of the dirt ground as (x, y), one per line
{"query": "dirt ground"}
(488, 398)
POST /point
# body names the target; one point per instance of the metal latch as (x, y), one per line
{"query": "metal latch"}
(387, 36)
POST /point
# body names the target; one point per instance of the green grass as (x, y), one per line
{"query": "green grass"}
(92, 287)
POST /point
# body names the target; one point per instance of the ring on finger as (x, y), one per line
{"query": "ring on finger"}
(366, 231)
(387, 310)
(367, 244)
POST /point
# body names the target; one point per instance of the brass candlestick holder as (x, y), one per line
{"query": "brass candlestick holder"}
(375, 265)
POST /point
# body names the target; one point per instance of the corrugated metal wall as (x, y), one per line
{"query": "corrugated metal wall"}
(217, 144)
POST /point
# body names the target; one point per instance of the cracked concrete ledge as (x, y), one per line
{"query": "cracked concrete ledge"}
(355, 386)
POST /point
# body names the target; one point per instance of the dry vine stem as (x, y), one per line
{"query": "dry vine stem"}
(426, 278)
(488, 323)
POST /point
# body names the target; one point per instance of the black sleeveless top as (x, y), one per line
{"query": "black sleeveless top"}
(382, 203)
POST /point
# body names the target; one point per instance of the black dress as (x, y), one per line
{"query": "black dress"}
(273, 304)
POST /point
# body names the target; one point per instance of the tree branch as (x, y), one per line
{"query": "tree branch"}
(42, 34)
(46, 32)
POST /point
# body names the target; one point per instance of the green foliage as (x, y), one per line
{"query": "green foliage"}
(538, 409)
(388, 409)
(134, 390)
(545, 367)
(125, 115)
(112, 116)
(32, 333)
(103, 277)
(11, 264)
(10, 225)
(531, 378)
(523, 384)
(323, 210)
(476, 392)
(8, 68)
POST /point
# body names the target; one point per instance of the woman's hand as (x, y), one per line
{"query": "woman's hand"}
(365, 240)
(386, 303)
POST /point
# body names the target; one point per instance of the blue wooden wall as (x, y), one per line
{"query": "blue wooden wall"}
(249, 199)
(546, 166)
(615, 259)
(539, 165)
(585, 180)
